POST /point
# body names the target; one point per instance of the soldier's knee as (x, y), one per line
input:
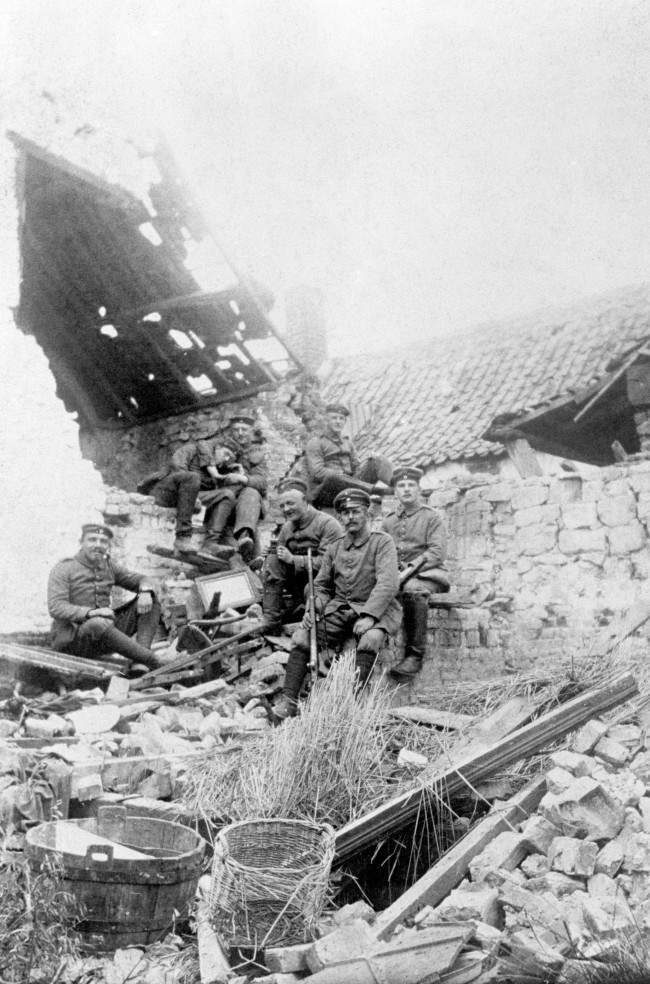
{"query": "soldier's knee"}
(300, 640)
(227, 495)
(94, 628)
(190, 479)
(371, 641)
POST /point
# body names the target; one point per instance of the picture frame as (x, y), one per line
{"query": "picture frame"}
(237, 589)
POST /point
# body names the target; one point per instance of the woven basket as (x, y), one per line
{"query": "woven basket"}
(269, 881)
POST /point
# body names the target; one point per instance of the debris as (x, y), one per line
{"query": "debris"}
(506, 851)
(573, 856)
(434, 717)
(213, 963)
(408, 759)
(585, 809)
(475, 901)
(94, 720)
(343, 944)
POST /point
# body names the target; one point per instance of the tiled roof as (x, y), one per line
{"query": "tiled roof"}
(430, 404)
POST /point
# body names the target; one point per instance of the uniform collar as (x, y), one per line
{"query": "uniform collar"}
(337, 438)
(401, 511)
(359, 542)
(308, 518)
(91, 567)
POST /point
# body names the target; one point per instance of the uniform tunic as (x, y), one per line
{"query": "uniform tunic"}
(197, 456)
(361, 575)
(76, 587)
(329, 456)
(420, 532)
(317, 531)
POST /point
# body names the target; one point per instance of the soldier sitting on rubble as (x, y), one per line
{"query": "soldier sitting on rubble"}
(332, 463)
(355, 590)
(79, 601)
(285, 568)
(228, 474)
(420, 535)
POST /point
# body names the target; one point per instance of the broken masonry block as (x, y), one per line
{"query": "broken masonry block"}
(622, 785)
(606, 918)
(557, 883)
(287, 959)
(89, 787)
(578, 765)
(626, 734)
(535, 865)
(588, 736)
(486, 936)
(558, 779)
(612, 752)
(473, 901)
(601, 884)
(348, 941)
(354, 910)
(636, 886)
(506, 851)
(585, 809)
(644, 810)
(539, 832)
(526, 955)
(573, 856)
(640, 766)
(537, 911)
(636, 855)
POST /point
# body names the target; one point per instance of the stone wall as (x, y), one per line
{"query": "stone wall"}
(547, 563)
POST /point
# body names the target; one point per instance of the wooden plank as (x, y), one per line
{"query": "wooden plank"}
(213, 963)
(393, 815)
(434, 717)
(450, 599)
(607, 385)
(181, 662)
(612, 636)
(452, 867)
(523, 457)
(58, 663)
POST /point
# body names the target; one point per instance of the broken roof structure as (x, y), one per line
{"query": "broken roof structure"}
(137, 308)
(564, 378)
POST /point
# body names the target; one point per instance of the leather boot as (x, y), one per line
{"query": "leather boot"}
(364, 664)
(294, 673)
(115, 641)
(416, 611)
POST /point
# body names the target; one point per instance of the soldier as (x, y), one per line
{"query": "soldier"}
(228, 475)
(79, 601)
(239, 501)
(355, 590)
(418, 532)
(332, 464)
(285, 568)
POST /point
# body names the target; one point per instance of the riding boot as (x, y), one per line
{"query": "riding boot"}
(364, 664)
(416, 610)
(115, 641)
(272, 604)
(218, 520)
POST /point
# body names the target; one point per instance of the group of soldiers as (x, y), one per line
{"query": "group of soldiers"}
(366, 581)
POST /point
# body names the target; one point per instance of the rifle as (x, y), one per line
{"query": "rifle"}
(412, 570)
(311, 603)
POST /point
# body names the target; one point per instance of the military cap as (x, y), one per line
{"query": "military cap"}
(351, 497)
(407, 471)
(242, 418)
(292, 483)
(97, 528)
(337, 408)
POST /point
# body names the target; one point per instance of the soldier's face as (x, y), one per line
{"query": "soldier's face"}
(354, 519)
(335, 421)
(242, 432)
(407, 491)
(95, 546)
(293, 504)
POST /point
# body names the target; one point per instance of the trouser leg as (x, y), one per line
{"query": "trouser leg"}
(99, 636)
(368, 647)
(247, 511)
(217, 517)
(144, 626)
(179, 488)
(272, 590)
(376, 469)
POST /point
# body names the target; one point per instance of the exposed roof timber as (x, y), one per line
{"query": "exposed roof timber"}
(120, 196)
(614, 377)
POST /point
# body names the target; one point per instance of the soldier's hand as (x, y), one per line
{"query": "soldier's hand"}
(363, 625)
(285, 555)
(236, 478)
(144, 603)
(106, 612)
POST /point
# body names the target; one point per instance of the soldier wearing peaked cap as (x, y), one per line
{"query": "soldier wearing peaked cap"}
(332, 463)
(79, 601)
(285, 568)
(419, 533)
(355, 589)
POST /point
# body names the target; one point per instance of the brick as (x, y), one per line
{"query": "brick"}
(607, 918)
(585, 809)
(529, 909)
(636, 856)
(578, 765)
(507, 850)
(622, 785)
(476, 901)
(573, 856)
(612, 752)
(555, 882)
(640, 766)
(354, 910)
(579, 515)
(529, 495)
(287, 959)
(542, 515)
(557, 780)
(582, 541)
(346, 942)
(626, 539)
(539, 832)
(588, 736)
(500, 492)
(616, 510)
(535, 865)
(535, 540)
(602, 884)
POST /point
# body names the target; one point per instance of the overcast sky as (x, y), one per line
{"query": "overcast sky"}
(427, 164)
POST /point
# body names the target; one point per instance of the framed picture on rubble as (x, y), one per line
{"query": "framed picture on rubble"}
(236, 589)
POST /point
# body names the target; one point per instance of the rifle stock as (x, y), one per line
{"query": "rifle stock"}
(412, 570)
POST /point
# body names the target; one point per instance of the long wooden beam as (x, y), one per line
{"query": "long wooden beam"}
(452, 867)
(390, 817)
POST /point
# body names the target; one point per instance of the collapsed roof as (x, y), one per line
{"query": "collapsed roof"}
(137, 309)
(439, 403)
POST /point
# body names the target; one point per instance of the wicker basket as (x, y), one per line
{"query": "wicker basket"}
(269, 881)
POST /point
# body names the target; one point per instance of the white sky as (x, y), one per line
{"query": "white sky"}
(428, 164)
